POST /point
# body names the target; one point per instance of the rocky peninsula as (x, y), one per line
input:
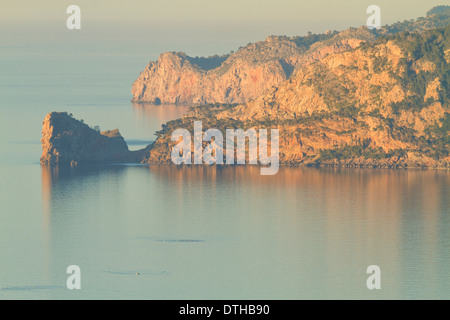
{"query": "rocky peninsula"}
(381, 103)
(241, 76)
(67, 141)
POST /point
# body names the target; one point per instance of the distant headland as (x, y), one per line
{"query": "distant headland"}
(241, 76)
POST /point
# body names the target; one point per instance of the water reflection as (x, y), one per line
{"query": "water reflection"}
(65, 180)
(150, 115)
(310, 233)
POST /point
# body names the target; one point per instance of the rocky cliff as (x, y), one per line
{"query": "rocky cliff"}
(384, 104)
(244, 75)
(66, 140)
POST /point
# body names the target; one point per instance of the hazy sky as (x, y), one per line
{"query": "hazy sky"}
(198, 27)
(230, 11)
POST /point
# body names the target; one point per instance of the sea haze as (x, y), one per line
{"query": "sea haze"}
(192, 232)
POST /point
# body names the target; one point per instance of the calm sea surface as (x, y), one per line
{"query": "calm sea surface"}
(194, 232)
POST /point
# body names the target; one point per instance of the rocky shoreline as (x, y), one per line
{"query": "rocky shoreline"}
(67, 141)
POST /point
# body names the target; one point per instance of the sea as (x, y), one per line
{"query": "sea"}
(192, 232)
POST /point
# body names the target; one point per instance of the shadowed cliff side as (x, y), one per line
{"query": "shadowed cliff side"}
(66, 140)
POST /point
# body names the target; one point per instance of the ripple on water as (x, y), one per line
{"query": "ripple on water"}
(179, 240)
(127, 273)
(32, 288)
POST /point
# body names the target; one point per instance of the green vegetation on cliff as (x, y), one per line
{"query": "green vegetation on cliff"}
(385, 103)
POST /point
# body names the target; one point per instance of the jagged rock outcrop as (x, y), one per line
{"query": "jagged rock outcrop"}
(67, 141)
(255, 68)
